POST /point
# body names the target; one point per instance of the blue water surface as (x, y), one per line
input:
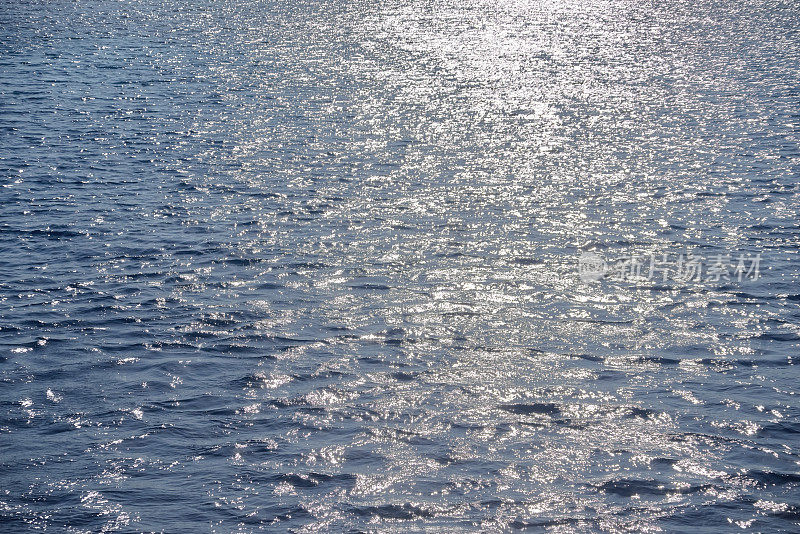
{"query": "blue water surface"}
(312, 266)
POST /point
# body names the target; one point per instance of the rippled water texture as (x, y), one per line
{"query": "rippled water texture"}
(311, 266)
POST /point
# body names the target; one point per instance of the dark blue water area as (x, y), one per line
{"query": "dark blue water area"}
(317, 266)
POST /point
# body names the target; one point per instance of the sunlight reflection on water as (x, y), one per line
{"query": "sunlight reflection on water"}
(313, 266)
